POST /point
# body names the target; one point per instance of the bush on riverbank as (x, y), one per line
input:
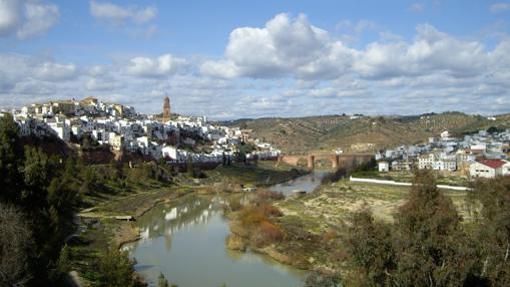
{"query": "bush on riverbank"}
(256, 222)
(266, 195)
(115, 269)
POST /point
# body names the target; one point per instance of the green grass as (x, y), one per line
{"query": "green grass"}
(265, 173)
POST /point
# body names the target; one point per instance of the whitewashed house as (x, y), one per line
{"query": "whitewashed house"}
(116, 141)
(170, 152)
(383, 166)
(489, 168)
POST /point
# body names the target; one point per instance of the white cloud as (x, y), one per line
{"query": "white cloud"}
(288, 67)
(31, 87)
(499, 7)
(55, 72)
(26, 18)
(288, 47)
(10, 14)
(285, 46)
(431, 52)
(154, 67)
(352, 32)
(39, 18)
(107, 84)
(118, 14)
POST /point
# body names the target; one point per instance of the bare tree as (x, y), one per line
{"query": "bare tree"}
(16, 244)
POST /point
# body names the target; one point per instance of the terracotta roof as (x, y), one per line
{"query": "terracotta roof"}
(493, 163)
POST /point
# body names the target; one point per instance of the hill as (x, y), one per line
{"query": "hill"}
(326, 133)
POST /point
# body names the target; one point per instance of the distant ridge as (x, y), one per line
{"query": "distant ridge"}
(366, 133)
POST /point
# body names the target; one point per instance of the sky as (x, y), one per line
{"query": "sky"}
(229, 59)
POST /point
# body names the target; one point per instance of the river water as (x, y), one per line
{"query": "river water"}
(185, 241)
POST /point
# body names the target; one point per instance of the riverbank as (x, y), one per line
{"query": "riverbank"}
(99, 230)
(312, 224)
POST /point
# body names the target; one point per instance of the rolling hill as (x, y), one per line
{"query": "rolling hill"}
(326, 133)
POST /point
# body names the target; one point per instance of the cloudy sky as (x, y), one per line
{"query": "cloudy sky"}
(229, 59)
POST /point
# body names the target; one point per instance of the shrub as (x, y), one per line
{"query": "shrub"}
(233, 204)
(251, 216)
(270, 210)
(267, 233)
(266, 195)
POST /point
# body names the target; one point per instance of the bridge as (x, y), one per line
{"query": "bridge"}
(337, 161)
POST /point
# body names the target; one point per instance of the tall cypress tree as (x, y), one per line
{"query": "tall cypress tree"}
(427, 238)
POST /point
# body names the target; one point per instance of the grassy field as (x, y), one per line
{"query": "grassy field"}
(334, 203)
(265, 173)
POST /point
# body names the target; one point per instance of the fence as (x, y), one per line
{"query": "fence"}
(392, 182)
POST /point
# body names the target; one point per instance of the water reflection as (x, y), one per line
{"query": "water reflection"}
(306, 183)
(186, 242)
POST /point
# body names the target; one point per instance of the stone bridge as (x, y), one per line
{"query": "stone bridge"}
(346, 160)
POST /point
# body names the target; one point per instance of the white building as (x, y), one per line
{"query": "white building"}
(437, 162)
(445, 135)
(62, 130)
(116, 141)
(383, 166)
(170, 152)
(489, 168)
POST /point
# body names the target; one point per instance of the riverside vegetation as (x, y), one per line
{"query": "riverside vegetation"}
(44, 188)
(368, 235)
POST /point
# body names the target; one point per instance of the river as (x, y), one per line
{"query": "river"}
(185, 241)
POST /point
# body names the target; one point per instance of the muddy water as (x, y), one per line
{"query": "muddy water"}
(186, 242)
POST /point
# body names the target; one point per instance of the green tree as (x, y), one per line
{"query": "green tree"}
(425, 246)
(428, 238)
(36, 175)
(62, 267)
(115, 269)
(62, 196)
(89, 183)
(369, 245)
(10, 179)
(494, 229)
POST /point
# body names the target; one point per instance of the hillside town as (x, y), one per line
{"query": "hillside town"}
(482, 154)
(174, 138)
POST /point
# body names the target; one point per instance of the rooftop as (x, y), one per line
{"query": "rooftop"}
(493, 163)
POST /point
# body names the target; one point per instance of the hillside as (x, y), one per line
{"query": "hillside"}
(326, 133)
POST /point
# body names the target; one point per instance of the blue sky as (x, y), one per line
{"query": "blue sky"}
(229, 59)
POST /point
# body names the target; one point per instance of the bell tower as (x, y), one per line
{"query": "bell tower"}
(166, 109)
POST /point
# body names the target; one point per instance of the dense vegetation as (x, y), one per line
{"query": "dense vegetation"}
(427, 244)
(39, 195)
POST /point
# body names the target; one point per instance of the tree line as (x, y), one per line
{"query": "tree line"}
(39, 194)
(429, 245)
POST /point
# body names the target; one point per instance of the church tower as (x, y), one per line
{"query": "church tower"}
(166, 109)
